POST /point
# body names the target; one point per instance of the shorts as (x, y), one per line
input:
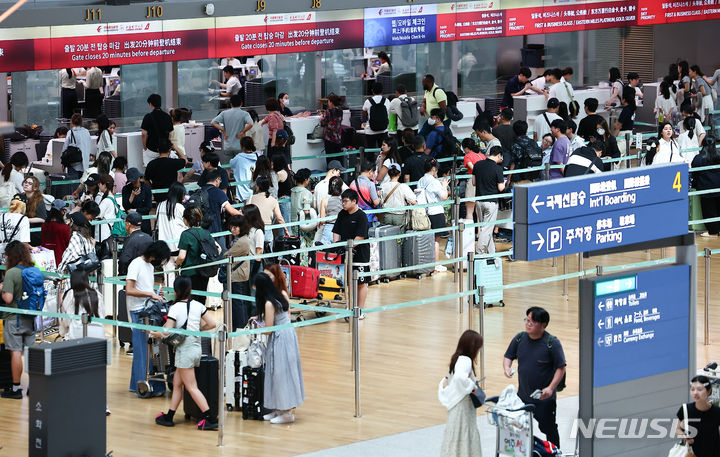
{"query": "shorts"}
(470, 190)
(362, 269)
(189, 353)
(437, 221)
(19, 332)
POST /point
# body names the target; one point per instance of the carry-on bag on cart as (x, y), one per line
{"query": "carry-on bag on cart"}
(304, 282)
(253, 384)
(124, 333)
(206, 375)
(287, 243)
(417, 250)
(234, 363)
(330, 289)
(389, 251)
(331, 264)
(488, 273)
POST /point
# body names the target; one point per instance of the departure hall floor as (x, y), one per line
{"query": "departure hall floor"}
(404, 354)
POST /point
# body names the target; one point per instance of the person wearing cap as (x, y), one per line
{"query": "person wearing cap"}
(137, 196)
(281, 147)
(233, 124)
(543, 120)
(81, 241)
(321, 188)
(88, 190)
(55, 233)
(396, 194)
(135, 243)
(163, 170)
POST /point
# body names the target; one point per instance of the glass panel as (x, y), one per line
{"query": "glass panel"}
(36, 99)
(342, 71)
(296, 76)
(263, 85)
(561, 50)
(194, 77)
(602, 51)
(137, 82)
(477, 68)
(435, 59)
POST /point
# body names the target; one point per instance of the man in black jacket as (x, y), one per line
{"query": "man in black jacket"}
(135, 243)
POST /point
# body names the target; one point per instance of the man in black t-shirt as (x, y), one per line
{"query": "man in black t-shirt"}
(163, 171)
(541, 369)
(588, 124)
(352, 224)
(586, 160)
(488, 180)
(156, 127)
(414, 166)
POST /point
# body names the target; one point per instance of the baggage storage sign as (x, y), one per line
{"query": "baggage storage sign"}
(586, 213)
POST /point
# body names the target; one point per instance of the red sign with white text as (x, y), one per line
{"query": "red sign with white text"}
(662, 11)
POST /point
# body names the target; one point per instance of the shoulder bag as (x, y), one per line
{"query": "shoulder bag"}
(380, 216)
(417, 217)
(176, 339)
(682, 448)
(72, 154)
(477, 397)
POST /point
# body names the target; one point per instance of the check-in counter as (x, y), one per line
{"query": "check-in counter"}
(303, 147)
(527, 107)
(129, 145)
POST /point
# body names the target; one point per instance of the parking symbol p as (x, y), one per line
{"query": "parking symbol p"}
(554, 239)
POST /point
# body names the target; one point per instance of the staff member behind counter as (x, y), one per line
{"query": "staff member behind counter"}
(232, 84)
(93, 97)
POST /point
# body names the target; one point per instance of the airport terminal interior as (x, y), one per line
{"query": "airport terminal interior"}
(372, 365)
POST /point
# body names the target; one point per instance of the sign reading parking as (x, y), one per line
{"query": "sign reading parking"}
(587, 213)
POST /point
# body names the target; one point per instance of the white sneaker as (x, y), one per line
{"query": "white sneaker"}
(270, 416)
(705, 234)
(286, 418)
(440, 268)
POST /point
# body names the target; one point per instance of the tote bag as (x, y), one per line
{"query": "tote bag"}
(682, 449)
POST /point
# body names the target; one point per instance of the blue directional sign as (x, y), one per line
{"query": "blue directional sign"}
(641, 323)
(597, 193)
(598, 211)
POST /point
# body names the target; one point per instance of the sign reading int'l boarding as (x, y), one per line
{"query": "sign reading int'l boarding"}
(598, 211)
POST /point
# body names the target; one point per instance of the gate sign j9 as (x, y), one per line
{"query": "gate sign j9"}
(598, 211)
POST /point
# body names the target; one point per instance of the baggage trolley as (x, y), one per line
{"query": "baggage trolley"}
(159, 364)
(713, 373)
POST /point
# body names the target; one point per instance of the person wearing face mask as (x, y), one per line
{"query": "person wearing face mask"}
(703, 416)
(285, 110)
(602, 133)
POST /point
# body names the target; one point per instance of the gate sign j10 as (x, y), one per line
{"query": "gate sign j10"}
(586, 213)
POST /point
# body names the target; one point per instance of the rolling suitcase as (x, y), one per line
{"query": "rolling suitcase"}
(124, 333)
(304, 282)
(253, 386)
(330, 289)
(390, 251)
(206, 376)
(488, 273)
(234, 363)
(417, 250)
(5, 368)
(286, 243)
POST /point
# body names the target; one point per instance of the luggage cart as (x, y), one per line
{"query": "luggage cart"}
(331, 289)
(713, 373)
(159, 365)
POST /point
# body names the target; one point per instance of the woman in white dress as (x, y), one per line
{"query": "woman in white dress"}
(461, 438)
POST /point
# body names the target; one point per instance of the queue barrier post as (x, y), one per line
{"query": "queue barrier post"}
(222, 340)
(356, 343)
(708, 253)
(114, 250)
(227, 301)
(456, 237)
(599, 270)
(459, 265)
(470, 286)
(623, 164)
(581, 268)
(85, 319)
(565, 281)
(348, 278)
(361, 160)
(481, 330)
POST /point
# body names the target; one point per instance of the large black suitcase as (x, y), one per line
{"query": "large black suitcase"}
(207, 377)
(5, 368)
(287, 243)
(253, 386)
(124, 333)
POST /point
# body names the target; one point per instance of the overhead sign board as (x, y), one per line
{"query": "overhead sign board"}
(586, 213)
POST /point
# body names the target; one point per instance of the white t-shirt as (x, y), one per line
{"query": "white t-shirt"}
(177, 137)
(560, 91)
(17, 179)
(257, 238)
(8, 222)
(576, 143)
(366, 107)
(107, 211)
(233, 85)
(387, 164)
(541, 126)
(233, 62)
(431, 187)
(179, 313)
(107, 143)
(402, 196)
(322, 192)
(699, 129)
(538, 83)
(666, 105)
(170, 229)
(668, 152)
(141, 272)
(684, 142)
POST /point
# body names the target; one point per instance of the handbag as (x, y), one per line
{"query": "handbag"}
(477, 397)
(682, 448)
(417, 217)
(256, 353)
(318, 133)
(72, 154)
(176, 339)
(86, 262)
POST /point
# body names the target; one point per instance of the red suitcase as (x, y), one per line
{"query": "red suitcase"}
(304, 282)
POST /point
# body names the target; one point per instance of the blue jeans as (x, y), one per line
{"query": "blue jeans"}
(241, 309)
(285, 211)
(327, 235)
(139, 342)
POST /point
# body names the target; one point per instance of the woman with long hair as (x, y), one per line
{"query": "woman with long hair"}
(665, 102)
(190, 252)
(703, 97)
(55, 233)
(278, 278)
(81, 241)
(268, 206)
(106, 141)
(109, 207)
(286, 181)
(708, 179)
(668, 149)
(616, 87)
(170, 224)
(264, 169)
(257, 227)
(191, 315)
(81, 298)
(385, 64)
(461, 436)
(240, 247)
(330, 207)
(34, 206)
(284, 387)
(396, 194)
(388, 155)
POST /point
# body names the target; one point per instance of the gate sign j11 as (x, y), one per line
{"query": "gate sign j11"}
(586, 213)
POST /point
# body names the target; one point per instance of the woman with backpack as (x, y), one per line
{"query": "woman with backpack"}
(194, 243)
(284, 388)
(187, 313)
(331, 122)
(109, 208)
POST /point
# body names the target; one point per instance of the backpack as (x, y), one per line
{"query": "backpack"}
(543, 448)
(378, 115)
(526, 156)
(409, 114)
(118, 228)
(208, 253)
(447, 147)
(549, 342)
(451, 110)
(201, 199)
(291, 135)
(33, 294)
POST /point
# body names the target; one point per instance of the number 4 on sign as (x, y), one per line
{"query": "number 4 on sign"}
(677, 184)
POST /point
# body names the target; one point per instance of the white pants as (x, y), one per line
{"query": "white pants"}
(707, 104)
(487, 212)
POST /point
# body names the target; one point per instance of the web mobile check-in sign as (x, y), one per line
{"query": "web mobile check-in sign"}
(587, 213)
